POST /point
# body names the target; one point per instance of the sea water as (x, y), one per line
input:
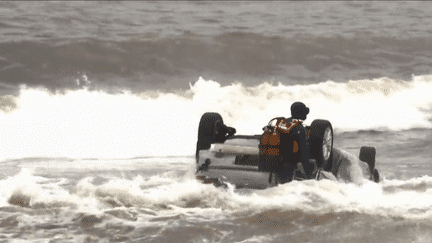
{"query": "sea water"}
(100, 104)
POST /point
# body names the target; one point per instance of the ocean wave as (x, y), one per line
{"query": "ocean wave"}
(121, 208)
(380, 104)
(160, 196)
(170, 63)
(94, 124)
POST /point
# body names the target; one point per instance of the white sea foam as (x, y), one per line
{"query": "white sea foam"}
(165, 194)
(88, 124)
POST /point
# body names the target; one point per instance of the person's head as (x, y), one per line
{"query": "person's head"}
(299, 111)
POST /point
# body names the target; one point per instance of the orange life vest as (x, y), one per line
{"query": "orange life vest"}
(270, 139)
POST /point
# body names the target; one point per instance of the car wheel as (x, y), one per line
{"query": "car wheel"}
(321, 143)
(210, 131)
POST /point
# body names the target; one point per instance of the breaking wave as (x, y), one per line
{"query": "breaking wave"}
(165, 192)
(94, 124)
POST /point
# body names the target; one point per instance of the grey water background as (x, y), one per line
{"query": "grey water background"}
(160, 45)
(162, 48)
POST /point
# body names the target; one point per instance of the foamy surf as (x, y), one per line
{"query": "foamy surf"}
(180, 190)
(129, 203)
(95, 124)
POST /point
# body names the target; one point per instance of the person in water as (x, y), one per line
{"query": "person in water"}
(294, 133)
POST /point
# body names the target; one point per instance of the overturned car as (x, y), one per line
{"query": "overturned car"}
(247, 160)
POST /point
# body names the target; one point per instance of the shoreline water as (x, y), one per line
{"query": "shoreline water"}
(100, 104)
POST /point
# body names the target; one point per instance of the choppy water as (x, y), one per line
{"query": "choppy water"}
(100, 104)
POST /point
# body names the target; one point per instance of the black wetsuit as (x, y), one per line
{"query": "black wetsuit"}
(290, 158)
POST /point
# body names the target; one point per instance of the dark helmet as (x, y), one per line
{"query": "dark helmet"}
(299, 111)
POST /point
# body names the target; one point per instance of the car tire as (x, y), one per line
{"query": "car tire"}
(210, 130)
(321, 143)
